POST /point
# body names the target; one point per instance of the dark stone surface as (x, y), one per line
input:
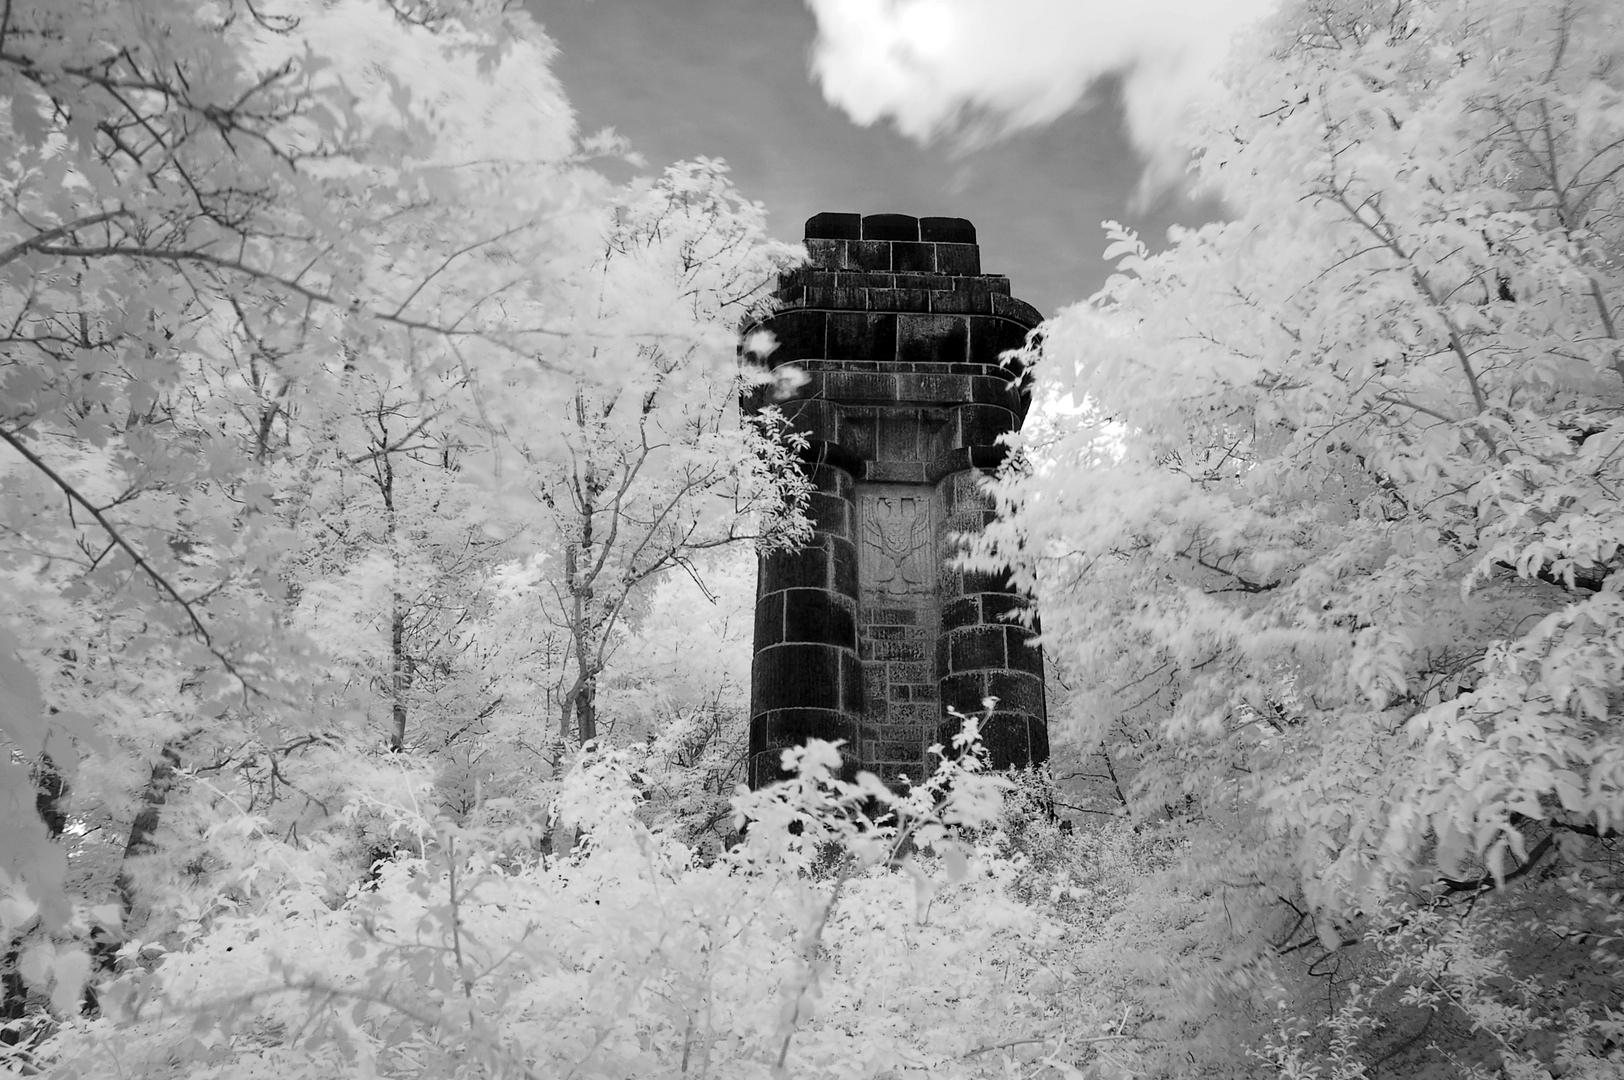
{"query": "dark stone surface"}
(941, 339)
(804, 569)
(890, 227)
(870, 633)
(910, 258)
(946, 230)
(958, 258)
(829, 226)
(817, 615)
(854, 335)
(769, 619)
(796, 676)
(800, 336)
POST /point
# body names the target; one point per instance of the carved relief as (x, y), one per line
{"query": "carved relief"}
(896, 556)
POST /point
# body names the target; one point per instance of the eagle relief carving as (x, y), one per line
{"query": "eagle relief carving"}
(896, 543)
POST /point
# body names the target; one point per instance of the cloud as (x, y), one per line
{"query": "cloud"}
(979, 69)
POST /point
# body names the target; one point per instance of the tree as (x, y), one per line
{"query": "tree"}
(221, 223)
(635, 477)
(1341, 521)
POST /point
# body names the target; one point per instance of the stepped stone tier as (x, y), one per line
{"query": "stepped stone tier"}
(867, 634)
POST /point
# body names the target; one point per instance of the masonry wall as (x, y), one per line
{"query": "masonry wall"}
(867, 635)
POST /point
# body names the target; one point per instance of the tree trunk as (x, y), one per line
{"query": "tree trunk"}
(400, 664)
(580, 704)
(145, 826)
(400, 677)
(586, 709)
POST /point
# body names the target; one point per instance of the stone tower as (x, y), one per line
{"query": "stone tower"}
(866, 634)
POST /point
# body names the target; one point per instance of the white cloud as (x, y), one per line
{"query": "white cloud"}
(977, 69)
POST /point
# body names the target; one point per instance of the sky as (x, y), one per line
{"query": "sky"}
(1036, 169)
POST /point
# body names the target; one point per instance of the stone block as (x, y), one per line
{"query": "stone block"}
(913, 258)
(765, 766)
(963, 522)
(981, 425)
(964, 489)
(894, 299)
(991, 337)
(1037, 738)
(1022, 654)
(769, 619)
(779, 728)
(860, 335)
(816, 615)
(890, 227)
(973, 649)
(832, 226)
(1002, 608)
(816, 418)
(918, 712)
(843, 566)
(946, 230)
(832, 480)
(983, 283)
(869, 255)
(896, 472)
(1019, 310)
(807, 568)
(800, 336)
(1007, 739)
(836, 299)
(851, 683)
(962, 691)
(961, 612)
(987, 581)
(913, 671)
(898, 752)
(958, 259)
(959, 303)
(1017, 691)
(898, 438)
(828, 254)
(859, 385)
(829, 513)
(797, 676)
(926, 338)
(897, 650)
(857, 433)
(938, 387)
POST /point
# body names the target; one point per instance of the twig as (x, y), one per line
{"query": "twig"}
(23, 247)
(198, 627)
(1041, 1038)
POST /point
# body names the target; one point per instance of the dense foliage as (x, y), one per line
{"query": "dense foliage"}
(348, 415)
(1334, 546)
(376, 523)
